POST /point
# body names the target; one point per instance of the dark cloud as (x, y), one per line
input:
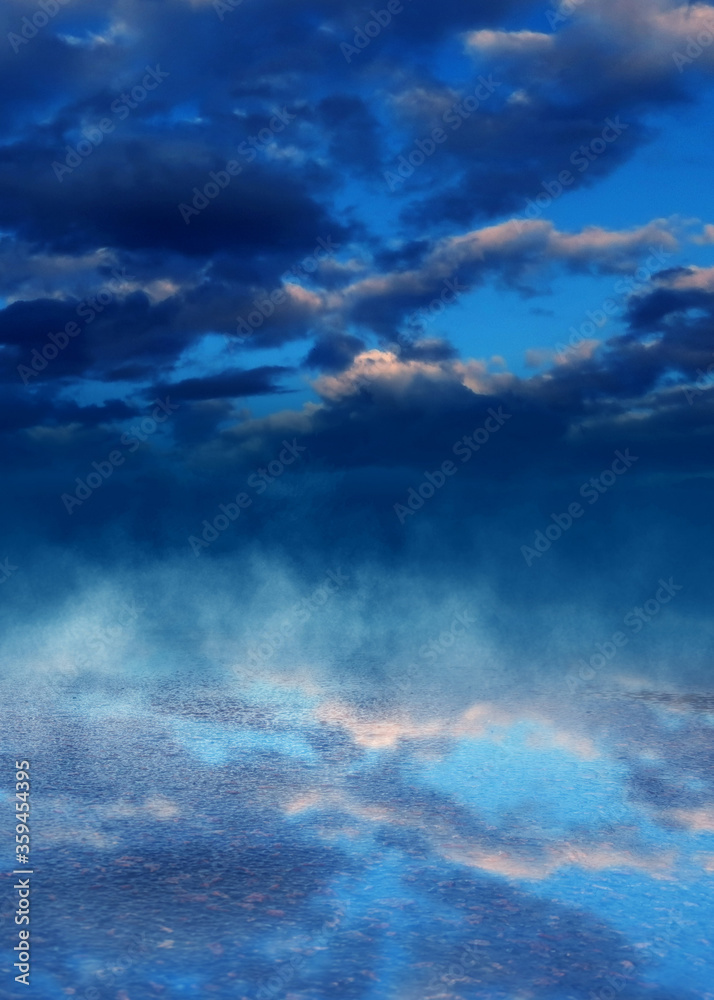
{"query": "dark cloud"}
(334, 353)
(353, 131)
(128, 195)
(227, 385)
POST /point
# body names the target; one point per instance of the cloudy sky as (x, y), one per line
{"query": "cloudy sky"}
(228, 227)
(305, 222)
(358, 362)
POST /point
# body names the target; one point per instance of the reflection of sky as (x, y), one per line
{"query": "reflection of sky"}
(492, 854)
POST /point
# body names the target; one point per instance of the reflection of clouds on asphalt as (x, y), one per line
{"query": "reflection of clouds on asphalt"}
(530, 852)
